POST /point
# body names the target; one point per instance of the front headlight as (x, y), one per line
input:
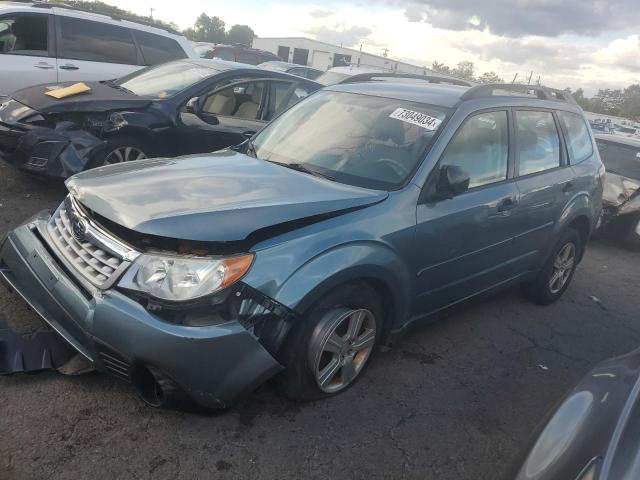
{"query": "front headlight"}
(179, 279)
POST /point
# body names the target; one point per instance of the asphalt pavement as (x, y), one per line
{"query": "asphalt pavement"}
(457, 399)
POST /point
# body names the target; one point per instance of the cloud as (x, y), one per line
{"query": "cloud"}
(340, 34)
(321, 13)
(621, 53)
(517, 18)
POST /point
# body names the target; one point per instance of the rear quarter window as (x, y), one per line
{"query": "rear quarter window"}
(577, 136)
(157, 49)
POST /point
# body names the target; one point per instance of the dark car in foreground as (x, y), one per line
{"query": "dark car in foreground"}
(182, 107)
(594, 433)
(621, 197)
(360, 211)
(292, 68)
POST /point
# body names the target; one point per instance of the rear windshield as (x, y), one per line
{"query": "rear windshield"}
(331, 78)
(165, 80)
(620, 159)
(361, 140)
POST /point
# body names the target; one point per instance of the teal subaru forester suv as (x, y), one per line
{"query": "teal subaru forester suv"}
(365, 208)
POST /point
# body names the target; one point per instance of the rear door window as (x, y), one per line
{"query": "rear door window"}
(481, 148)
(157, 49)
(95, 42)
(620, 159)
(282, 96)
(538, 142)
(577, 136)
(24, 35)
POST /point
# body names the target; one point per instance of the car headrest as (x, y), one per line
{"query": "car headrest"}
(387, 128)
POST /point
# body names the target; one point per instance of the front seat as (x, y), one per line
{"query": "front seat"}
(222, 103)
(249, 109)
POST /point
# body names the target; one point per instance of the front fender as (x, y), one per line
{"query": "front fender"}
(580, 206)
(348, 262)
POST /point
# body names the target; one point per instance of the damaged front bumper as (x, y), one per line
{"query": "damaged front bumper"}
(212, 365)
(55, 152)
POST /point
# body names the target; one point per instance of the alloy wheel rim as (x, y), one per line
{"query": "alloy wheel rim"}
(124, 154)
(344, 349)
(562, 267)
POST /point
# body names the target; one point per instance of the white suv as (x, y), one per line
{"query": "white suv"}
(43, 43)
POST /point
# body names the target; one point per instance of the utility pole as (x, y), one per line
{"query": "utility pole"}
(152, 9)
(385, 52)
(530, 75)
(514, 79)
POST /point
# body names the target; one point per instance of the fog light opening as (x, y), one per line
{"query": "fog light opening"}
(148, 387)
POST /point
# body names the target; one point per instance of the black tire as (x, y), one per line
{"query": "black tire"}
(298, 381)
(632, 238)
(115, 143)
(539, 289)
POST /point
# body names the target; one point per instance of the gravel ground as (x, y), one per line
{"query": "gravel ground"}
(456, 399)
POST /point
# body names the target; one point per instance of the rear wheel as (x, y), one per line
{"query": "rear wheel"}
(333, 344)
(120, 150)
(556, 275)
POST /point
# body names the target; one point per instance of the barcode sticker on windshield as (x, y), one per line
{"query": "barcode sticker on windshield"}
(416, 118)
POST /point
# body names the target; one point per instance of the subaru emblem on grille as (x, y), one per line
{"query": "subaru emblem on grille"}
(79, 229)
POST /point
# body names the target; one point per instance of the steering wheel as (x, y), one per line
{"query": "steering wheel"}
(396, 166)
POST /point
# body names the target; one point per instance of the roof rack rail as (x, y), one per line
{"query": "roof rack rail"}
(113, 17)
(364, 77)
(543, 93)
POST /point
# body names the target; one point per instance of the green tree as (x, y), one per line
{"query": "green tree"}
(464, 70)
(242, 34)
(207, 29)
(105, 9)
(440, 67)
(490, 77)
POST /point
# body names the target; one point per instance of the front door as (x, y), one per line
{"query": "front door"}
(463, 244)
(225, 117)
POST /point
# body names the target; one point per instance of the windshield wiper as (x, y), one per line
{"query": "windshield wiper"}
(302, 168)
(112, 84)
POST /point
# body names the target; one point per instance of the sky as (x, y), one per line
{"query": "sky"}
(587, 44)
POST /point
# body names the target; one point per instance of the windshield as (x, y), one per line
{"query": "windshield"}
(360, 140)
(331, 78)
(165, 80)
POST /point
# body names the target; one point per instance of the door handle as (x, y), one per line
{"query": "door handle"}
(43, 66)
(69, 66)
(567, 187)
(507, 204)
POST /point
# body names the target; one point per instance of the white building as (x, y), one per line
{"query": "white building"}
(323, 56)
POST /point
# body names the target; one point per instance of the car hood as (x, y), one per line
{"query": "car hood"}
(101, 98)
(219, 197)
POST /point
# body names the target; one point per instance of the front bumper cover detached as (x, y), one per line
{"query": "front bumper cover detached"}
(212, 365)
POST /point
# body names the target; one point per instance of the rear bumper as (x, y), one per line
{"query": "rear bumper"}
(45, 151)
(213, 365)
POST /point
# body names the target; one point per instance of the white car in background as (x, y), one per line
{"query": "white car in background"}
(45, 43)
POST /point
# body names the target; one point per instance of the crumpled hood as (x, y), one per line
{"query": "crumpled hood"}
(619, 190)
(101, 98)
(219, 197)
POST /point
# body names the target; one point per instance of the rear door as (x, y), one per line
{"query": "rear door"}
(544, 178)
(27, 53)
(92, 51)
(463, 244)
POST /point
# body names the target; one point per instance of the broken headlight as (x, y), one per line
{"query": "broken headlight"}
(180, 279)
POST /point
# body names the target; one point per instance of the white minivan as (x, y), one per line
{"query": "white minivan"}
(43, 43)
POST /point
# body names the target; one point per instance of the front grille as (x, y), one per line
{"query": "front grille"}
(89, 252)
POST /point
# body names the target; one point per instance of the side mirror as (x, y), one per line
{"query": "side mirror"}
(453, 181)
(192, 106)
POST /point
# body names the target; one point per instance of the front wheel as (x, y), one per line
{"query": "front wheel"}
(554, 278)
(120, 150)
(331, 347)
